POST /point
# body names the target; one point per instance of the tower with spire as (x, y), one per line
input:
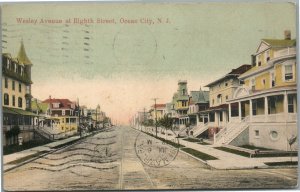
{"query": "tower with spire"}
(16, 94)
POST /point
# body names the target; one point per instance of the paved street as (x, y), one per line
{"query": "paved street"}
(108, 160)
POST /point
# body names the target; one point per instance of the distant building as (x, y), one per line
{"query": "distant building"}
(180, 103)
(198, 102)
(157, 111)
(220, 91)
(16, 97)
(63, 114)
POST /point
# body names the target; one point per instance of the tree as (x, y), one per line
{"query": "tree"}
(166, 122)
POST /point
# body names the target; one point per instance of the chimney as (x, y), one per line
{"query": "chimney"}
(253, 60)
(287, 35)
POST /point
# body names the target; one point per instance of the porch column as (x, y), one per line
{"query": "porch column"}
(266, 109)
(216, 119)
(250, 110)
(229, 111)
(285, 105)
(208, 118)
(240, 111)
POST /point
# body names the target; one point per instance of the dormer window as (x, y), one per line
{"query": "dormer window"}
(55, 105)
(267, 55)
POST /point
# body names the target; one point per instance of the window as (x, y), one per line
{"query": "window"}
(267, 55)
(28, 103)
(63, 112)
(28, 89)
(219, 98)
(20, 87)
(264, 82)
(183, 91)
(272, 79)
(213, 101)
(226, 97)
(20, 102)
(6, 82)
(257, 133)
(274, 134)
(6, 99)
(13, 85)
(253, 84)
(288, 72)
(291, 104)
(55, 105)
(259, 63)
(226, 84)
(254, 107)
(13, 100)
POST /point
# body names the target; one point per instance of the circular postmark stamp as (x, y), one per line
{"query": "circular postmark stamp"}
(157, 152)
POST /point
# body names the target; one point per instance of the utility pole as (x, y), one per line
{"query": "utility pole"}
(80, 131)
(144, 115)
(155, 115)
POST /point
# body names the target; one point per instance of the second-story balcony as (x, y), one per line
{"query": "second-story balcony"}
(284, 53)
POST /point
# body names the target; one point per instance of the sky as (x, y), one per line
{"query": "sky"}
(123, 55)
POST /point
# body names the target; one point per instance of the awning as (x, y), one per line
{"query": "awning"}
(17, 111)
(6, 110)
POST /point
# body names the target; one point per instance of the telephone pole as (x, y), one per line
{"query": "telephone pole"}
(155, 115)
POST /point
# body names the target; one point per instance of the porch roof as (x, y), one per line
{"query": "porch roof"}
(266, 92)
(221, 107)
(17, 111)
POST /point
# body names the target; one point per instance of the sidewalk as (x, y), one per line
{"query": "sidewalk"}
(9, 161)
(228, 160)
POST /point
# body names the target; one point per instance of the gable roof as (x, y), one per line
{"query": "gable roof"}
(280, 42)
(234, 73)
(64, 103)
(199, 97)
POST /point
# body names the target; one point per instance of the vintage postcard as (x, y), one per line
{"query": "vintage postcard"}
(149, 96)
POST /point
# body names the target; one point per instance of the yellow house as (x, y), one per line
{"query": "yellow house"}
(268, 99)
(62, 112)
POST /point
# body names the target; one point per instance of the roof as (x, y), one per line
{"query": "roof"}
(219, 107)
(280, 42)
(64, 103)
(159, 106)
(199, 97)
(22, 57)
(234, 73)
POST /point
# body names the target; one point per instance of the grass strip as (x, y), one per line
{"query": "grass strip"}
(199, 154)
(204, 143)
(284, 163)
(176, 145)
(17, 161)
(64, 144)
(192, 140)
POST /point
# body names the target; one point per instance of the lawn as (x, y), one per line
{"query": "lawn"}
(262, 154)
(237, 152)
(199, 154)
(16, 148)
(285, 163)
